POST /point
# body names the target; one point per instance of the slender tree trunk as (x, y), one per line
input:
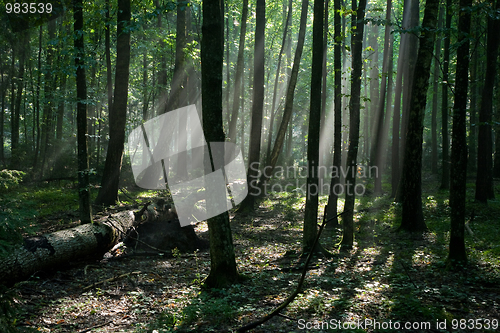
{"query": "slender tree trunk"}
(37, 103)
(223, 269)
(435, 86)
(412, 216)
(410, 21)
(311, 209)
(108, 193)
(257, 106)
(16, 106)
(337, 100)
(474, 101)
(81, 107)
(457, 254)
(396, 119)
(381, 140)
(287, 114)
(445, 180)
(484, 180)
(354, 107)
(276, 83)
(374, 115)
(238, 77)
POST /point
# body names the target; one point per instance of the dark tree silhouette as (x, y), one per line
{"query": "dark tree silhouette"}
(413, 218)
(108, 193)
(223, 270)
(458, 163)
(81, 109)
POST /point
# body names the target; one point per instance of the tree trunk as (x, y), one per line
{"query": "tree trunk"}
(337, 101)
(290, 94)
(445, 180)
(223, 269)
(475, 78)
(312, 191)
(484, 180)
(457, 254)
(85, 208)
(413, 218)
(23, 44)
(257, 105)
(411, 21)
(56, 250)
(276, 83)
(354, 107)
(435, 86)
(238, 77)
(381, 139)
(108, 193)
(396, 119)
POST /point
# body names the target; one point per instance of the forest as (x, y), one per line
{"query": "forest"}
(262, 166)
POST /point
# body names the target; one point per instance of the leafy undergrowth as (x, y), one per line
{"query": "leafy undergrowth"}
(388, 277)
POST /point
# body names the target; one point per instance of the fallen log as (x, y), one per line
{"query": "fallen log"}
(57, 249)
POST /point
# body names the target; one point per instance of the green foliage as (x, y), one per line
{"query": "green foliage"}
(9, 179)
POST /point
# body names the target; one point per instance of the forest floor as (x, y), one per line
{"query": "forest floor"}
(389, 278)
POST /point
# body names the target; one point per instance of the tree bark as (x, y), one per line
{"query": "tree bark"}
(413, 218)
(312, 191)
(257, 105)
(484, 180)
(380, 139)
(337, 101)
(457, 254)
(56, 250)
(287, 114)
(354, 107)
(238, 77)
(85, 208)
(223, 269)
(108, 193)
(276, 83)
(435, 86)
(445, 180)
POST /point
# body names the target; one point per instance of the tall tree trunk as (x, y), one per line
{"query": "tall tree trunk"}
(36, 126)
(354, 107)
(458, 163)
(374, 116)
(257, 105)
(85, 208)
(413, 218)
(396, 119)
(48, 105)
(312, 191)
(474, 101)
(238, 77)
(484, 180)
(445, 177)
(410, 21)
(287, 114)
(276, 83)
(435, 86)
(381, 140)
(108, 193)
(223, 269)
(23, 44)
(337, 101)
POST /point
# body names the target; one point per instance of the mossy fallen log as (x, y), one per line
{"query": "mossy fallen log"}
(55, 250)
